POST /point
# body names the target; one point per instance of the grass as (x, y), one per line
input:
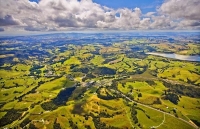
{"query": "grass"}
(188, 49)
(156, 119)
(57, 84)
(84, 56)
(120, 121)
(2, 114)
(10, 74)
(21, 67)
(149, 93)
(62, 114)
(97, 60)
(10, 105)
(171, 122)
(72, 60)
(193, 49)
(175, 70)
(37, 110)
(149, 122)
(186, 108)
(22, 105)
(177, 73)
(8, 94)
(123, 89)
(35, 97)
(109, 50)
(190, 107)
(16, 83)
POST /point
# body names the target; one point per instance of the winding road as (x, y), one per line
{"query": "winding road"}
(160, 123)
(190, 123)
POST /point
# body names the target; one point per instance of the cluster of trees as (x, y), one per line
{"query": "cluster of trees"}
(150, 82)
(157, 101)
(35, 69)
(78, 109)
(140, 95)
(25, 122)
(153, 73)
(104, 71)
(109, 107)
(105, 115)
(49, 106)
(31, 91)
(139, 55)
(72, 124)
(62, 60)
(107, 97)
(191, 91)
(86, 59)
(172, 97)
(87, 127)
(72, 66)
(134, 115)
(82, 70)
(100, 125)
(63, 96)
(56, 125)
(5, 68)
(9, 117)
(6, 60)
(88, 76)
(109, 60)
(196, 122)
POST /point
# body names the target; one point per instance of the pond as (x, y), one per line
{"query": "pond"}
(177, 56)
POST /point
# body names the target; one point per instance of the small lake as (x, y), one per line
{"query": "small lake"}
(176, 56)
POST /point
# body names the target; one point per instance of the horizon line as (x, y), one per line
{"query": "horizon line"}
(26, 33)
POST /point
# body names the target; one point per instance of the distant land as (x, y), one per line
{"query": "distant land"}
(103, 80)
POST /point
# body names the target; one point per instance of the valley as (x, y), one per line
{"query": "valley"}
(99, 80)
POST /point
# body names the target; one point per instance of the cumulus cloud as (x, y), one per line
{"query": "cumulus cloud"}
(32, 28)
(8, 20)
(189, 24)
(188, 9)
(149, 14)
(145, 23)
(48, 15)
(129, 19)
(161, 22)
(2, 29)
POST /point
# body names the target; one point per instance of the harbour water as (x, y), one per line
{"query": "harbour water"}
(177, 56)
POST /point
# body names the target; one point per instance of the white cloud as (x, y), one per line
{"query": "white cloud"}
(145, 23)
(8, 20)
(182, 14)
(48, 15)
(160, 22)
(188, 9)
(128, 19)
(149, 14)
(1, 29)
(189, 24)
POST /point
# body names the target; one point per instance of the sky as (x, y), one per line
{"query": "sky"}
(20, 16)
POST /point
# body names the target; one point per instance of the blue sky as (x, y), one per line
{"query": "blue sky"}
(145, 5)
(98, 15)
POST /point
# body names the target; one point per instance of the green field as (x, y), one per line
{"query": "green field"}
(100, 85)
